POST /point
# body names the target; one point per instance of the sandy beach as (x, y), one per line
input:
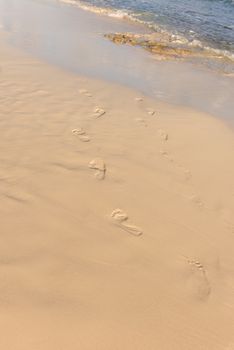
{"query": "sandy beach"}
(117, 225)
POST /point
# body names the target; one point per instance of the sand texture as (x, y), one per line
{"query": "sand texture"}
(116, 217)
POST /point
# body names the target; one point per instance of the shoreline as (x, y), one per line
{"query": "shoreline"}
(116, 216)
(82, 49)
(154, 30)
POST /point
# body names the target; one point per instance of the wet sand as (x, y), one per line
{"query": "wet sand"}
(116, 213)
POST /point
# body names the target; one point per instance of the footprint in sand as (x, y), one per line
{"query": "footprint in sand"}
(141, 122)
(163, 135)
(166, 155)
(98, 112)
(150, 111)
(100, 167)
(85, 92)
(227, 217)
(187, 174)
(138, 99)
(81, 134)
(197, 200)
(119, 218)
(198, 282)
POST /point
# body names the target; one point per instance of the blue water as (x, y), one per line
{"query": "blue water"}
(209, 23)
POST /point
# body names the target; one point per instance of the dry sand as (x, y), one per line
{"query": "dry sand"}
(117, 228)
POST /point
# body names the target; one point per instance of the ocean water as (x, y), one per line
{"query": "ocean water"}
(207, 24)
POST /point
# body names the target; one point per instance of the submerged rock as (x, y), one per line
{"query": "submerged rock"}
(158, 45)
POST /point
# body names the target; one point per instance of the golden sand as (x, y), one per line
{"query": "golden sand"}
(116, 214)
